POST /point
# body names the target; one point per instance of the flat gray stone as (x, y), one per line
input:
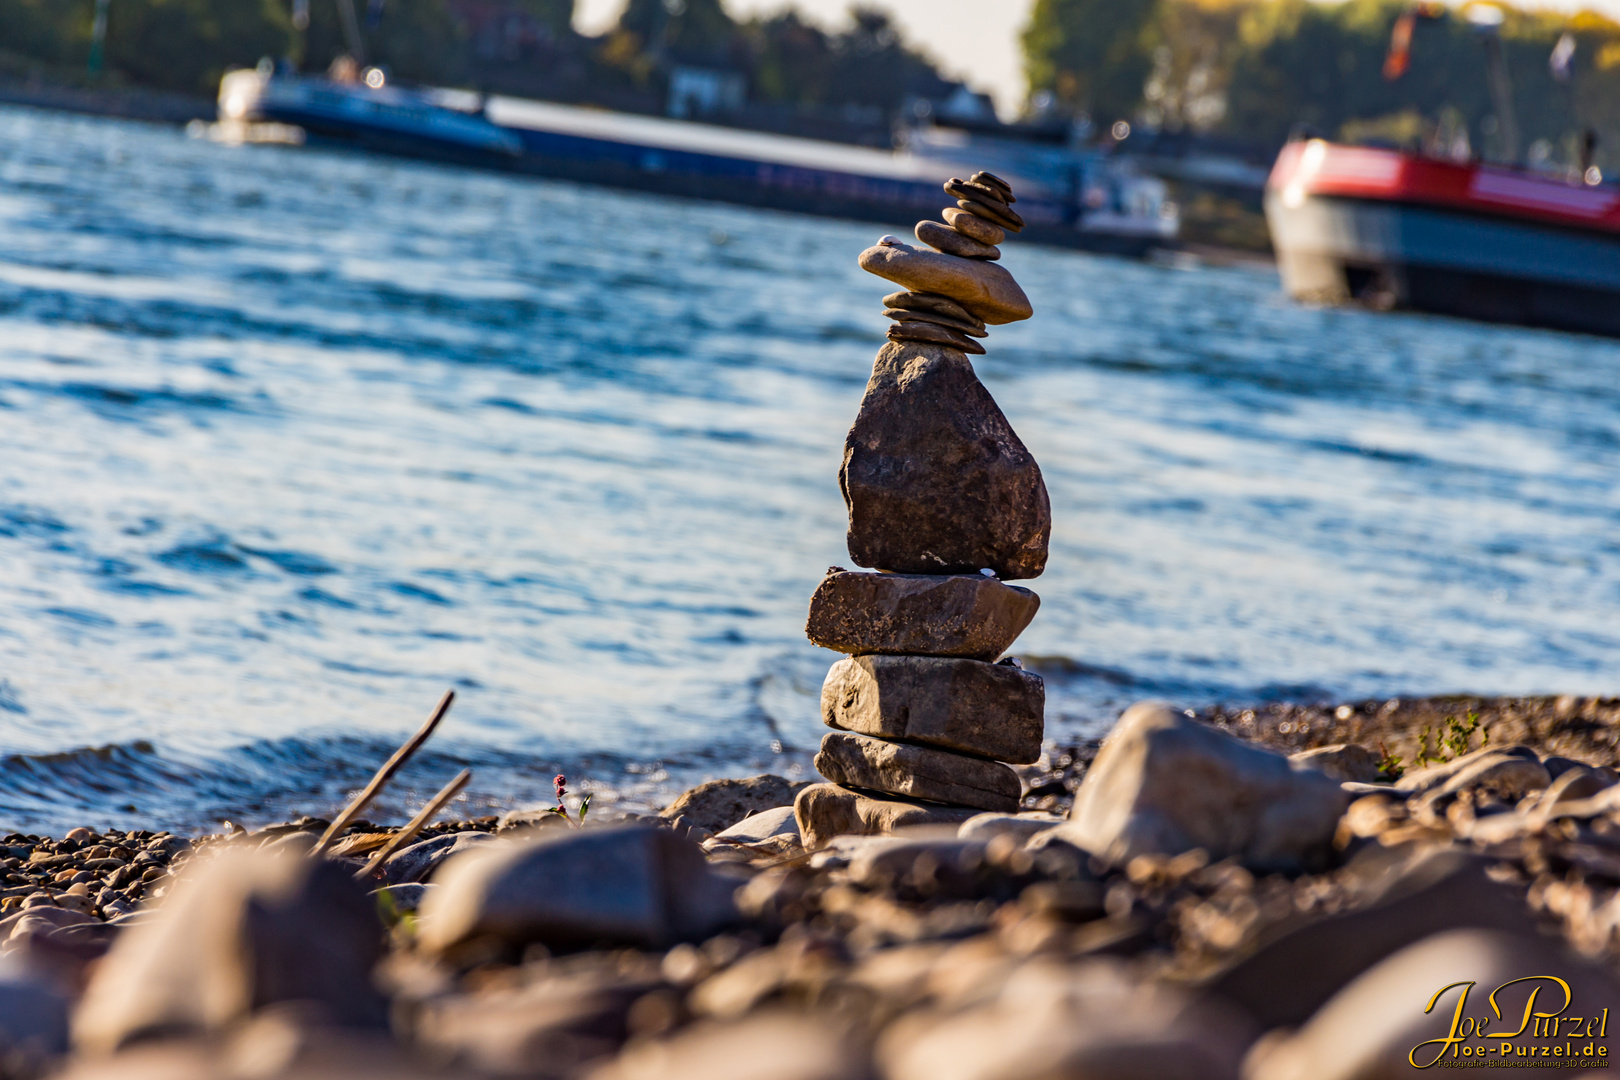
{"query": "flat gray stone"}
(959, 325)
(33, 1016)
(972, 225)
(928, 333)
(985, 289)
(988, 710)
(1164, 784)
(1417, 781)
(777, 821)
(951, 242)
(767, 1045)
(1342, 761)
(418, 862)
(240, 931)
(932, 302)
(1021, 827)
(826, 811)
(917, 772)
(965, 615)
(640, 885)
(935, 478)
(719, 804)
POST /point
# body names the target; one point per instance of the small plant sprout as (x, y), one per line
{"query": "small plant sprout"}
(1389, 766)
(561, 809)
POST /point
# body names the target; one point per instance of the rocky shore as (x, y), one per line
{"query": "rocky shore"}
(1256, 923)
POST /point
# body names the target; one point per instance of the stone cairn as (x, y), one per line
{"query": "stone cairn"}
(947, 504)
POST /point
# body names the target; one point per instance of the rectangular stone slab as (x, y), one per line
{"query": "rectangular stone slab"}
(989, 710)
(967, 615)
(917, 772)
(824, 811)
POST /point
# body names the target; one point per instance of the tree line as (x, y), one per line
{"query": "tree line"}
(504, 45)
(1258, 68)
(1249, 68)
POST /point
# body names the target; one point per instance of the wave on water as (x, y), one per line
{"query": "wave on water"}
(294, 440)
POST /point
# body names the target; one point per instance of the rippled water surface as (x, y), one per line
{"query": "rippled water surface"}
(291, 441)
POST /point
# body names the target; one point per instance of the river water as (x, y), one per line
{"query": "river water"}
(292, 441)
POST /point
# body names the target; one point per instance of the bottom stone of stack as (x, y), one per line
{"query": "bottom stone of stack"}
(917, 772)
(824, 811)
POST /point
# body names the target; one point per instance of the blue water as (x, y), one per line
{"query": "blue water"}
(293, 441)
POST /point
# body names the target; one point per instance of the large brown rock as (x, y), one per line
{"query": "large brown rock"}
(236, 933)
(990, 710)
(626, 884)
(967, 615)
(1402, 1013)
(1398, 899)
(917, 772)
(935, 479)
(828, 810)
(1164, 784)
(984, 288)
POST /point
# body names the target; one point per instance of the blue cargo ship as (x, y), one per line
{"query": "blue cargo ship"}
(1075, 199)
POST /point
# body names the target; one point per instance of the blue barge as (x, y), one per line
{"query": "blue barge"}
(1082, 200)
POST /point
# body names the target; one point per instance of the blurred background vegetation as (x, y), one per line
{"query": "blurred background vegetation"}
(1192, 77)
(1246, 68)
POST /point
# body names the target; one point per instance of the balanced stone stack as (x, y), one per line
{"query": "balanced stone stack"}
(947, 504)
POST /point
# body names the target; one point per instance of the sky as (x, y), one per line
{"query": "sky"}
(972, 40)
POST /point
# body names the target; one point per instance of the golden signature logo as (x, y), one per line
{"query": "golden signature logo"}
(1543, 1028)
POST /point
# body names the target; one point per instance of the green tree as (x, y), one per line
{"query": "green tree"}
(555, 15)
(688, 31)
(417, 40)
(187, 45)
(1094, 55)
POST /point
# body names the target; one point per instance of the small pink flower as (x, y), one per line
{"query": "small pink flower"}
(562, 787)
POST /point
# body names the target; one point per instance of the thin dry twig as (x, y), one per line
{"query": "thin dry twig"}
(384, 774)
(417, 823)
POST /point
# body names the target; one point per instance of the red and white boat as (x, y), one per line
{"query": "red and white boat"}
(1396, 229)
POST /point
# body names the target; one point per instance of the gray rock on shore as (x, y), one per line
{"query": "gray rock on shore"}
(969, 706)
(1164, 784)
(918, 772)
(1342, 761)
(935, 479)
(719, 804)
(964, 615)
(640, 885)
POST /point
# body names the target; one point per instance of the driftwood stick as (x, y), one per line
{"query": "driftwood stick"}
(418, 823)
(384, 774)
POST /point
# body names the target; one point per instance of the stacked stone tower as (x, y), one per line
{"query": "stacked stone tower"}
(947, 505)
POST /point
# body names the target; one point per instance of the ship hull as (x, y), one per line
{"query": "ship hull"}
(1393, 231)
(660, 156)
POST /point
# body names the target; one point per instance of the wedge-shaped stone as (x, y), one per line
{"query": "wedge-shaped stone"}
(984, 288)
(918, 614)
(935, 479)
(824, 811)
(989, 710)
(917, 772)
(1164, 784)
